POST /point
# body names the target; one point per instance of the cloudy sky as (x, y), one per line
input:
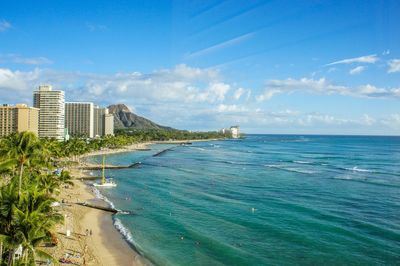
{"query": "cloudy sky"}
(307, 67)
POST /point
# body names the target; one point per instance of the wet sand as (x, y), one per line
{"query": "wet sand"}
(105, 246)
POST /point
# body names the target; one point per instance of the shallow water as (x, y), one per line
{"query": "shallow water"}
(267, 199)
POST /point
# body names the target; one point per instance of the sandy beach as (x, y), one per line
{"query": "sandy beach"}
(133, 147)
(93, 239)
(140, 146)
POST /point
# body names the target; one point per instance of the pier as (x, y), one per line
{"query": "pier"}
(161, 152)
(108, 166)
(102, 208)
(91, 166)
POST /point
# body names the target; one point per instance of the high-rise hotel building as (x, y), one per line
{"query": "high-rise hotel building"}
(18, 118)
(79, 119)
(108, 124)
(103, 122)
(52, 112)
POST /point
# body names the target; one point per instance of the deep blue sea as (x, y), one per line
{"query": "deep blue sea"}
(263, 200)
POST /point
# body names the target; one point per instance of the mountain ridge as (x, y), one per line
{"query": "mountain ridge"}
(124, 118)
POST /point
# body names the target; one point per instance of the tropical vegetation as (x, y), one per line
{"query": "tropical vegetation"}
(28, 186)
(169, 134)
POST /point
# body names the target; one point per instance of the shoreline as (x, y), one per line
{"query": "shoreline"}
(140, 146)
(107, 245)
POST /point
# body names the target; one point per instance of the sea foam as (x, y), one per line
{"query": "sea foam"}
(356, 169)
(124, 231)
(290, 169)
(127, 235)
(98, 195)
(302, 162)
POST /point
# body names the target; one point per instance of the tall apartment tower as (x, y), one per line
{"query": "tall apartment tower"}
(108, 124)
(103, 122)
(79, 119)
(52, 112)
(18, 118)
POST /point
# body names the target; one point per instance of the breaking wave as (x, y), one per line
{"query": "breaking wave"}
(356, 169)
(290, 169)
(124, 231)
(98, 195)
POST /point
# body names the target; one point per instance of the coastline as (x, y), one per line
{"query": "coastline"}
(140, 146)
(130, 148)
(107, 245)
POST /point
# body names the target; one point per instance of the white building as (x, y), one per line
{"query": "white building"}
(235, 132)
(79, 119)
(108, 124)
(52, 112)
(103, 122)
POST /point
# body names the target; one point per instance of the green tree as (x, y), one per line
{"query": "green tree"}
(21, 149)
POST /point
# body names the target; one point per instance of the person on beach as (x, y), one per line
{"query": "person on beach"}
(87, 232)
(90, 232)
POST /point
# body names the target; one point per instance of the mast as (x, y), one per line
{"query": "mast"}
(103, 179)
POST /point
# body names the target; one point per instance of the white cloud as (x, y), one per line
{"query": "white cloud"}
(222, 45)
(17, 80)
(370, 59)
(248, 116)
(308, 122)
(372, 91)
(392, 121)
(195, 98)
(192, 73)
(368, 120)
(4, 25)
(17, 86)
(237, 95)
(357, 70)
(323, 86)
(268, 94)
(394, 65)
(318, 119)
(179, 84)
(214, 93)
(17, 59)
(233, 108)
(386, 52)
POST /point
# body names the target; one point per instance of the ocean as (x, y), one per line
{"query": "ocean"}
(262, 200)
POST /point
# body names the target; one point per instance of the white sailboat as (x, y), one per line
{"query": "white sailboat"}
(105, 182)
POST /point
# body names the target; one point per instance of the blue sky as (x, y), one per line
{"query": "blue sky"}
(317, 67)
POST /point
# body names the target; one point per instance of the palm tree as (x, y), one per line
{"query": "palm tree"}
(48, 183)
(21, 148)
(65, 178)
(9, 201)
(26, 220)
(33, 219)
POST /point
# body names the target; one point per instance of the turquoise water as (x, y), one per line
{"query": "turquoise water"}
(264, 200)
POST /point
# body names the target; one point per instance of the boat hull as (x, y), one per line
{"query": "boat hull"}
(104, 185)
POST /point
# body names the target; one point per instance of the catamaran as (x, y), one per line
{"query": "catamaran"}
(105, 182)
